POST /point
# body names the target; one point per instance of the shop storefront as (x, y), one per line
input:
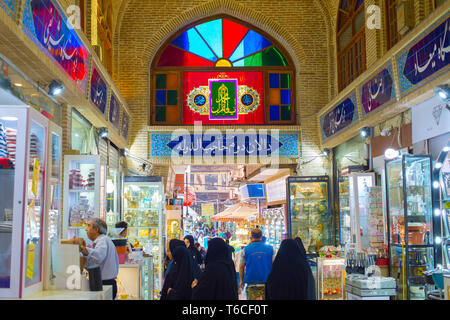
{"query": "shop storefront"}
(30, 154)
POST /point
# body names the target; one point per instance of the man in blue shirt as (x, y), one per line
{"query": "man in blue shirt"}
(255, 265)
(103, 253)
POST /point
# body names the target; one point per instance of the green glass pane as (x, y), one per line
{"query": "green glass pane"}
(285, 112)
(266, 58)
(285, 80)
(172, 97)
(160, 81)
(160, 114)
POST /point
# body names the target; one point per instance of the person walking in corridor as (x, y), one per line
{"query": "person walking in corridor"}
(256, 262)
(289, 277)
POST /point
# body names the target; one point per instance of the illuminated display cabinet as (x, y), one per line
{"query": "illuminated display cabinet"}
(29, 199)
(81, 193)
(143, 210)
(410, 223)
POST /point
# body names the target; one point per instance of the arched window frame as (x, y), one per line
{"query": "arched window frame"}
(351, 58)
(289, 69)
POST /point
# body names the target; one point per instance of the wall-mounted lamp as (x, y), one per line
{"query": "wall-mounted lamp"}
(366, 132)
(443, 91)
(326, 152)
(124, 152)
(103, 132)
(55, 88)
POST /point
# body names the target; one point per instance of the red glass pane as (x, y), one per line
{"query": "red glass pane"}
(176, 57)
(233, 33)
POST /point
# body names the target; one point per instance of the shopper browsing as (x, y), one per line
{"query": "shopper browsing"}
(256, 262)
(103, 252)
(189, 241)
(123, 234)
(218, 282)
(289, 276)
(311, 281)
(179, 280)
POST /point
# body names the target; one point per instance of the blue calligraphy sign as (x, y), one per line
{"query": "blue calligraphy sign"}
(425, 58)
(47, 26)
(377, 91)
(340, 117)
(114, 111)
(98, 90)
(287, 144)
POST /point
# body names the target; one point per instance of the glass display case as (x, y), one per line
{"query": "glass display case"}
(134, 281)
(345, 227)
(81, 194)
(54, 197)
(308, 216)
(112, 197)
(274, 226)
(24, 149)
(143, 210)
(410, 227)
(313, 261)
(331, 278)
(365, 213)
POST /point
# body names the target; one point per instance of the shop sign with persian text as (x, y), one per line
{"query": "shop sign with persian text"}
(426, 59)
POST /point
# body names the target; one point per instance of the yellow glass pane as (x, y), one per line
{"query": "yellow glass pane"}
(171, 114)
(172, 81)
(274, 97)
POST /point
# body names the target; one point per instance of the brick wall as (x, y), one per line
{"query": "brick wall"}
(302, 27)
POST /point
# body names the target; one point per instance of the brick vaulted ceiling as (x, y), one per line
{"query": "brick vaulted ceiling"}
(306, 29)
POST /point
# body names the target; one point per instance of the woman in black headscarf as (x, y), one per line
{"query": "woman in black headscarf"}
(218, 281)
(288, 278)
(196, 255)
(311, 280)
(177, 285)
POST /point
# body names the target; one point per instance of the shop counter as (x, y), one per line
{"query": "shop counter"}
(59, 294)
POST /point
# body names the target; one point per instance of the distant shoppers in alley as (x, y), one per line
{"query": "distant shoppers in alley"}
(231, 249)
(179, 280)
(103, 252)
(311, 281)
(218, 282)
(255, 266)
(202, 252)
(288, 278)
(173, 243)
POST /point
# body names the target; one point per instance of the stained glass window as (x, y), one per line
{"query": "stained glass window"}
(236, 55)
(209, 43)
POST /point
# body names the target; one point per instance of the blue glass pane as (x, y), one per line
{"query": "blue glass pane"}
(160, 97)
(192, 42)
(360, 2)
(274, 113)
(251, 43)
(285, 96)
(274, 80)
(212, 33)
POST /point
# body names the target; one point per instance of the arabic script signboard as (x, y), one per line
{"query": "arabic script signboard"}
(114, 111)
(427, 58)
(47, 26)
(98, 89)
(287, 144)
(378, 91)
(342, 116)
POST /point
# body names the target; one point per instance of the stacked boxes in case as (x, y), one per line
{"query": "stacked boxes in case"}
(75, 179)
(363, 286)
(375, 218)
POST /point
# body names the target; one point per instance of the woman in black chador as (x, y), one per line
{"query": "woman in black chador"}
(177, 285)
(289, 276)
(218, 281)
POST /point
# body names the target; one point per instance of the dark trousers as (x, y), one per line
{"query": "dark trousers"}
(114, 285)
